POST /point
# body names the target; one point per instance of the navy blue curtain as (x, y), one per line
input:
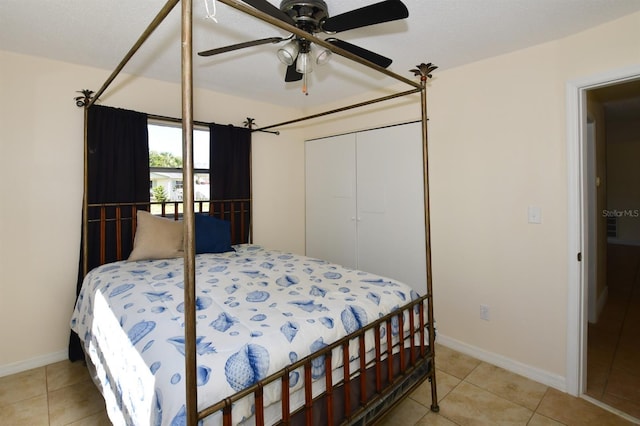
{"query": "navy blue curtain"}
(230, 165)
(118, 172)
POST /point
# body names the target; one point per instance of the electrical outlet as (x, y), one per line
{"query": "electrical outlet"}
(484, 312)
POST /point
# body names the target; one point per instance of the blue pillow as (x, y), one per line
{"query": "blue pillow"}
(213, 235)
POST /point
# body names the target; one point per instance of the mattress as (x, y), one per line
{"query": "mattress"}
(257, 311)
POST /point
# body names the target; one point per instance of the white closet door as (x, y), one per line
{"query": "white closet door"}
(390, 204)
(331, 199)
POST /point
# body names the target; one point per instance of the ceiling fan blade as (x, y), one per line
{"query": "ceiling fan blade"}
(292, 74)
(377, 13)
(370, 56)
(240, 46)
(269, 9)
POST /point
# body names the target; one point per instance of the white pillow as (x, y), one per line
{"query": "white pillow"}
(156, 238)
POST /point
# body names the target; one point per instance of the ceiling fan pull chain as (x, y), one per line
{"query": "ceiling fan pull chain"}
(210, 15)
(305, 88)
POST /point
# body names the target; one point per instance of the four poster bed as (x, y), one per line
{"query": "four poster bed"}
(280, 338)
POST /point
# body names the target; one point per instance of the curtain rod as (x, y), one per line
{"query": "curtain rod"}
(175, 120)
(81, 101)
(248, 124)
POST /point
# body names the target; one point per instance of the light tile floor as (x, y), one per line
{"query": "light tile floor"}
(58, 394)
(471, 392)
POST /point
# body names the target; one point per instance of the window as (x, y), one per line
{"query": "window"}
(165, 162)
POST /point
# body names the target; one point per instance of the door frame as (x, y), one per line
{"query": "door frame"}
(590, 257)
(577, 307)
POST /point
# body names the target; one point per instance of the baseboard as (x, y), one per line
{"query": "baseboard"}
(533, 373)
(28, 364)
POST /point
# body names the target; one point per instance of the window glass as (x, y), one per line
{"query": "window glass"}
(165, 162)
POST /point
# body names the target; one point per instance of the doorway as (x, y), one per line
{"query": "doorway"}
(579, 185)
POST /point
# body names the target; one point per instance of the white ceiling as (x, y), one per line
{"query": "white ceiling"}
(448, 33)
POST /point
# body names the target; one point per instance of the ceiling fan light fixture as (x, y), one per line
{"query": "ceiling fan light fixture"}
(304, 64)
(289, 52)
(323, 56)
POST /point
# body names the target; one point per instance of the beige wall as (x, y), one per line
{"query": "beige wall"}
(498, 131)
(497, 146)
(41, 193)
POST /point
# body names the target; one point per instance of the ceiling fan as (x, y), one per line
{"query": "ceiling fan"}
(312, 16)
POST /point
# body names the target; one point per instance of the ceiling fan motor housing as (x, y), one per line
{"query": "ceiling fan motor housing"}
(308, 15)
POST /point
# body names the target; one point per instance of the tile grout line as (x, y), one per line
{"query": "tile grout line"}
(448, 393)
(502, 397)
(441, 399)
(535, 410)
(46, 385)
(538, 407)
(462, 380)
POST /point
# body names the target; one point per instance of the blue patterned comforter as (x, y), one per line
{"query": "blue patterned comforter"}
(257, 311)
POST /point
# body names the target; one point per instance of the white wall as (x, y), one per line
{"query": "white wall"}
(41, 193)
(497, 145)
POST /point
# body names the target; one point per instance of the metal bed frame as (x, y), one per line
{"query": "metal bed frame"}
(408, 364)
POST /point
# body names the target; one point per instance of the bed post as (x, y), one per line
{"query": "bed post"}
(85, 195)
(424, 71)
(188, 212)
(84, 102)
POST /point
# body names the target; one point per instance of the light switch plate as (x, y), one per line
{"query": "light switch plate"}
(535, 214)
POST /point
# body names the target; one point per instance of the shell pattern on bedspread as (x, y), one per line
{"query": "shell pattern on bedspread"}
(256, 312)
